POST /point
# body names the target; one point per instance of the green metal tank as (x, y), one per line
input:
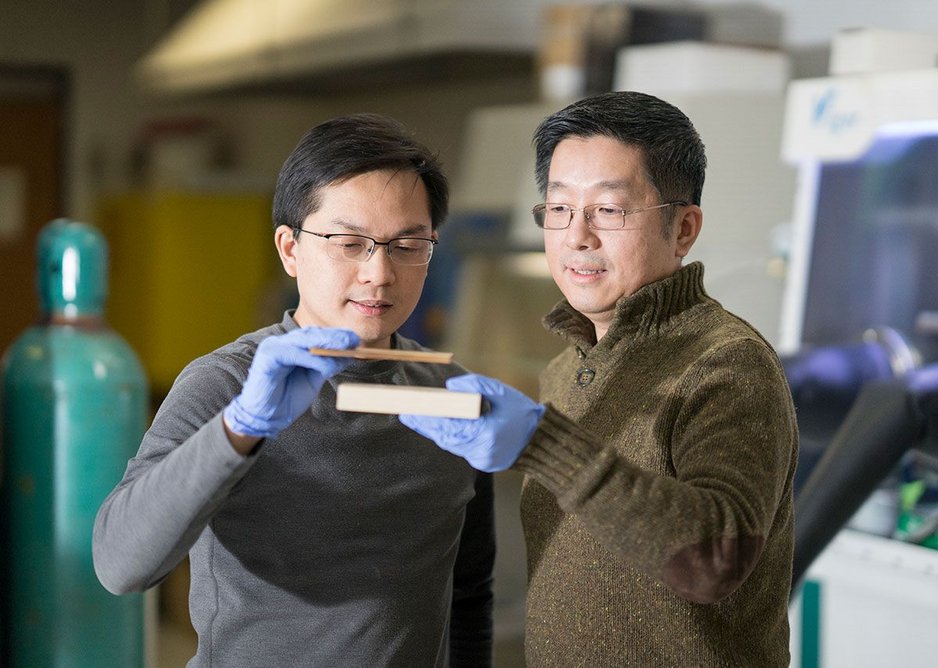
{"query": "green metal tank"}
(74, 408)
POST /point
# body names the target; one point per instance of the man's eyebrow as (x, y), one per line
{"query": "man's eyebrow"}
(619, 184)
(352, 228)
(413, 230)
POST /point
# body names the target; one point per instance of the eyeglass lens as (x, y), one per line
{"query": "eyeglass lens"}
(359, 249)
(600, 216)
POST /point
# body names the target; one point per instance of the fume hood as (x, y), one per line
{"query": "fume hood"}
(226, 44)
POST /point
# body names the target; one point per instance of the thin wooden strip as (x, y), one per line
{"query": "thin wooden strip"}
(387, 354)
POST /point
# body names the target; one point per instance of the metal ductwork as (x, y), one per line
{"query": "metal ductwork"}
(224, 45)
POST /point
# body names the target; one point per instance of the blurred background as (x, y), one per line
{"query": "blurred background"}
(164, 124)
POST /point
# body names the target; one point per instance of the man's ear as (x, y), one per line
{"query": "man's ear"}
(688, 227)
(286, 242)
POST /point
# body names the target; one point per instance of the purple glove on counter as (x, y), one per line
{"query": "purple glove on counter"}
(492, 442)
(285, 378)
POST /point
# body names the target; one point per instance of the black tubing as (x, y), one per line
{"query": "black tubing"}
(884, 422)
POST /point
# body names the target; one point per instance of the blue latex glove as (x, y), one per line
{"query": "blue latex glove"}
(492, 442)
(284, 379)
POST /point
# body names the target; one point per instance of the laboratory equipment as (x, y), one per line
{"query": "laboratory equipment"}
(865, 231)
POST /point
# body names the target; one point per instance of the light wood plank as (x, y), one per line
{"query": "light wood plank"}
(407, 399)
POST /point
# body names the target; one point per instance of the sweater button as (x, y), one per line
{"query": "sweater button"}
(585, 376)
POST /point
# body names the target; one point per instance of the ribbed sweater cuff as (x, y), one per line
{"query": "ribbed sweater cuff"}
(558, 452)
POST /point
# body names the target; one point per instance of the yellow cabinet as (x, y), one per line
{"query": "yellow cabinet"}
(188, 272)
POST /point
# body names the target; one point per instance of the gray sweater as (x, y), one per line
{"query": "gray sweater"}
(348, 540)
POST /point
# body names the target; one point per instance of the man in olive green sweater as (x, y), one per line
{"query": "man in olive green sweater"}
(657, 504)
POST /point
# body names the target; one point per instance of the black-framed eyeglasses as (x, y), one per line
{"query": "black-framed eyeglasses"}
(557, 216)
(409, 251)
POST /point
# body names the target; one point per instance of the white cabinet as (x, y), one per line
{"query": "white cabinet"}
(867, 602)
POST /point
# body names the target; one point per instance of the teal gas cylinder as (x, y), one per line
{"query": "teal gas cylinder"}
(74, 409)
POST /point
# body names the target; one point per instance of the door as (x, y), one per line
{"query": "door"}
(32, 113)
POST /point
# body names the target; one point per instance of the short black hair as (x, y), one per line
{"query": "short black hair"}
(345, 147)
(673, 152)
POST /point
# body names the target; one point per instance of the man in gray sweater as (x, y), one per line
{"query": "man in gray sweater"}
(315, 537)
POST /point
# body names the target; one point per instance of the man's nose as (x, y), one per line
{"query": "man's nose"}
(579, 234)
(378, 268)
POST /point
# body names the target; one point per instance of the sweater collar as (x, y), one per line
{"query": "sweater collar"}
(645, 312)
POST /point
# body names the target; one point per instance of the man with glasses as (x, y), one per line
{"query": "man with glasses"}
(317, 538)
(657, 504)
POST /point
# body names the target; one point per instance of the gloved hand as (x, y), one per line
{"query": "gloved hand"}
(284, 379)
(492, 442)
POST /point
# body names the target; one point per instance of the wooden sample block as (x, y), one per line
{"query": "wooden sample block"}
(413, 400)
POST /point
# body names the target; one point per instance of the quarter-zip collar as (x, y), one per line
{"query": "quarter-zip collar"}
(646, 312)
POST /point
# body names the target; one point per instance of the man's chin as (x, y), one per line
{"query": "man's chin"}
(591, 308)
(372, 336)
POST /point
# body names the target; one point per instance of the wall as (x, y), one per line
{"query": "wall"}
(97, 40)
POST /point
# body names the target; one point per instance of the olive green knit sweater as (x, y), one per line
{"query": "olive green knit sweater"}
(657, 504)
